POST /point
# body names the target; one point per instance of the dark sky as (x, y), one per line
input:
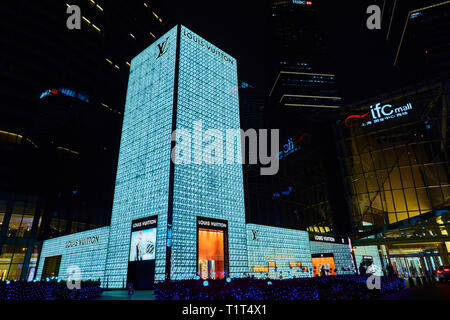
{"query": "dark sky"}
(360, 57)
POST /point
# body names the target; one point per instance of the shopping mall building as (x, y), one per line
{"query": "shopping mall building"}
(174, 220)
(394, 153)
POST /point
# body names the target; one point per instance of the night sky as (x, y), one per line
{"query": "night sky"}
(360, 57)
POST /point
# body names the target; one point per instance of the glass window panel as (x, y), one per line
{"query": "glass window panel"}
(34, 256)
(403, 156)
(392, 217)
(63, 226)
(55, 226)
(389, 158)
(359, 183)
(436, 197)
(446, 192)
(417, 176)
(14, 272)
(25, 226)
(355, 209)
(388, 201)
(413, 213)
(378, 160)
(351, 185)
(2, 212)
(376, 203)
(411, 200)
(6, 256)
(19, 254)
(402, 215)
(18, 208)
(14, 224)
(40, 221)
(431, 175)
(3, 271)
(372, 183)
(364, 202)
(355, 162)
(399, 200)
(424, 201)
(443, 174)
(367, 162)
(395, 178)
(407, 177)
(382, 178)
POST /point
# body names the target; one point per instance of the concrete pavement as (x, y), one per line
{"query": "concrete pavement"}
(123, 295)
(434, 291)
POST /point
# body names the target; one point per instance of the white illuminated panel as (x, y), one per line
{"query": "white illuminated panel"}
(142, 182)
(281, 246)
(216, 191)
(206, 75)
(370, 251)
(85, 250)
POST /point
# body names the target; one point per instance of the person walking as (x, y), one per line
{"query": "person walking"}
(390, 270)
(323, 273)
(362, 270)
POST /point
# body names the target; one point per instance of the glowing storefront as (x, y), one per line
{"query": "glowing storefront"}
(177, 81)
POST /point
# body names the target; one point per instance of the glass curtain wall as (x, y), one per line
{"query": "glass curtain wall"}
(400, 170)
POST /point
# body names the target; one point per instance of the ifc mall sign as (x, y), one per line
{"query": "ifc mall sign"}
(379, 113)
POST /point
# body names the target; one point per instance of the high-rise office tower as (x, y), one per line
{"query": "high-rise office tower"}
(303, 101)
(300, 78)
(180, 215)
(418, 32)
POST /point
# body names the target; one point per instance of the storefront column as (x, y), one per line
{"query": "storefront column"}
(383, 262)
(7, 217)
(26, 261)
(444, 254)
(388, 255)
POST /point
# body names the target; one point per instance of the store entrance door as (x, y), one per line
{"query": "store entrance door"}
(323, 264)
(212, 248)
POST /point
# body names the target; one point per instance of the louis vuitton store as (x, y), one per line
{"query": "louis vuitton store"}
(271, 252)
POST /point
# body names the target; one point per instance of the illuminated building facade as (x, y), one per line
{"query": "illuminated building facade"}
(85, 251)
(394, 153)
(175, 220)
(175, 82)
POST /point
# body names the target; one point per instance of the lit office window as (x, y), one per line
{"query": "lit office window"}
(2, 212)
(27, 222)
(11, 261)
(15, 220)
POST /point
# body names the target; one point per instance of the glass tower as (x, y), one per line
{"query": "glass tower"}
(180, 79)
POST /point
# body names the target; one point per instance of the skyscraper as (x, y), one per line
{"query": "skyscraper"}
(174, 84)
(418, 32)
(303, 101)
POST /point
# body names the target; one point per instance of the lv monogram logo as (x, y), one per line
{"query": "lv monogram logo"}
(163, 48)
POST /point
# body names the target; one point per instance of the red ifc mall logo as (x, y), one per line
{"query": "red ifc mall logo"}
(379, 113)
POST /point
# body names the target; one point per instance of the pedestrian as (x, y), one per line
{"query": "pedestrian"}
(390, 270)
(362, 270)
(323, 273)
